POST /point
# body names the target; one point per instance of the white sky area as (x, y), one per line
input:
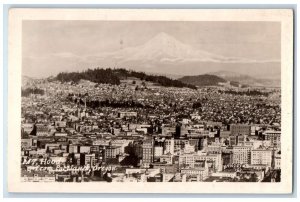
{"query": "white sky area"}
(50, 47)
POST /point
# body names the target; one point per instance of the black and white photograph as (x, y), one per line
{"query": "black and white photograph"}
(170, 102)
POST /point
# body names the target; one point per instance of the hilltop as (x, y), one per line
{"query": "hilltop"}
(113, 76)
(203, 80)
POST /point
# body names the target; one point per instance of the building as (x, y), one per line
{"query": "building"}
(60, 134)
(167, 158)
(85, 149)
(202, 143)
(168, 131)
(76, 158)
(189, 148)
(199, 159)
(127, 114)
(241, 155)
(198, 174)
(233, 140)
(180, 144)
(213, 149)
(26, 143)
(147, 150)
(158, 151)
(123, 143)
(224, 174)
(242, 140)
(61, 124)
(195, 143)
(73, 149)
(27, 127)
(89, 159)
(227, 158)
(42, 130)
(277, 162)
(169, 146)
(261, 157)
(240, 129)
(274, 137)
(137, 149)
(112, 152)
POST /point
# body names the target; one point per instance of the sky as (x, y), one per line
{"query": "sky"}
(50, 47)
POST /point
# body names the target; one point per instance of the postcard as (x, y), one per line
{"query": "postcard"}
(150, 101)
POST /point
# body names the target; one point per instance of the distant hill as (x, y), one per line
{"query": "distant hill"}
(30, 81)
(247, 80)
(113, 76)
(26, 80)
(203, 80)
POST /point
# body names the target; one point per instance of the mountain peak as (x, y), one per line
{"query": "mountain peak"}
(163, 38)
(162, 34)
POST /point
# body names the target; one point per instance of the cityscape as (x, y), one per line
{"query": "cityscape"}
(117, 124)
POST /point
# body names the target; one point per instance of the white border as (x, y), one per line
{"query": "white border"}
(14, 85)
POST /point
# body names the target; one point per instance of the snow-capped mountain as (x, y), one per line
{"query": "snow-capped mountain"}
(161, 54)
(165, 54)
(165, 48)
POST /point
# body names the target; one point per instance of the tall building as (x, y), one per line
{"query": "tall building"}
(137, 149)
(158, 151)
(227, 158)
(202, 143)
(178, 131)
(241, 154)
(147, 150)
(277, 161)
(169, 146)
